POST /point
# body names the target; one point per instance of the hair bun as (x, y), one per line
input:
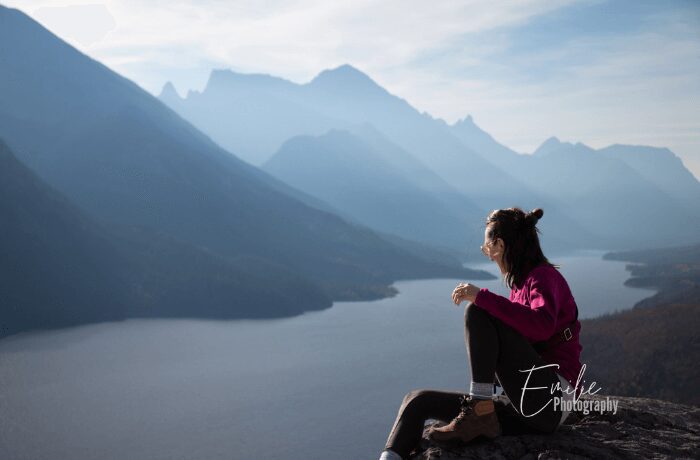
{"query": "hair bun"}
(533, 216)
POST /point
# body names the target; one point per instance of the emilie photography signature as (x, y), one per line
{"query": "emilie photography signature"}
(570, 398)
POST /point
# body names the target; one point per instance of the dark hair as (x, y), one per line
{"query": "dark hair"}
(518, 230)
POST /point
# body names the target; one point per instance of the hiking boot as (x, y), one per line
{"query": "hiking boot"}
(477, 417)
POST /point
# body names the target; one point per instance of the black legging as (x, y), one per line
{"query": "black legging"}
(495, 350)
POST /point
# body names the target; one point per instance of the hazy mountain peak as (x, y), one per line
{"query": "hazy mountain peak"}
(169, 92)
(481, 142)
(224, 79)
(553, 144)
(641, 149)
(468, 120)
(581, 147)
(467, 125)
(548, 146)
(344, 76)
(550, 142)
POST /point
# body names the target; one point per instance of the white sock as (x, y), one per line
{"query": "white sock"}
(388, 454)
(481, 390)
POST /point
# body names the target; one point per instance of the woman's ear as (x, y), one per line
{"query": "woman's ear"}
(500, 244)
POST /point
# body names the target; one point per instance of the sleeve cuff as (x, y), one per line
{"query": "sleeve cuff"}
(480, 296)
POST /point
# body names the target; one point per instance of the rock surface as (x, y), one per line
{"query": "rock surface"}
(641, 428)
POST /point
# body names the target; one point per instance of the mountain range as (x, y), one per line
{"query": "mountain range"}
(123, 160)
(330, 190)
(620, 197)
(374, 181)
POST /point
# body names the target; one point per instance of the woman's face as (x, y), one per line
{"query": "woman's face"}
(493, 249)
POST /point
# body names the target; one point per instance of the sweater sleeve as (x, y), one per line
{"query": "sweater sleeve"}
(536, 321)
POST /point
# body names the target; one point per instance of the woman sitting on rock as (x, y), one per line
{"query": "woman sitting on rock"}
(528, 343)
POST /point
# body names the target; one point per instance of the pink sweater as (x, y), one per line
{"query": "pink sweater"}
(542, 307)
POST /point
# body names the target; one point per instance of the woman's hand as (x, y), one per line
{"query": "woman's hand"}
(465, 291)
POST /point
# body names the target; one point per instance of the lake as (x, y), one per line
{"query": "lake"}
(321, 385)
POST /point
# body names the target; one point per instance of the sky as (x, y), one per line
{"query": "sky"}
(592, 71)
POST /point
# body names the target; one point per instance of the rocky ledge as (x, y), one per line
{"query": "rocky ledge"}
(641, 428)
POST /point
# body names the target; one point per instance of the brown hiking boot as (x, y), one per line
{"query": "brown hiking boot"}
(477, 417)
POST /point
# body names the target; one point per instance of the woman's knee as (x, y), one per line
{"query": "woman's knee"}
(417, 400)
(474, 315)
(413, 395)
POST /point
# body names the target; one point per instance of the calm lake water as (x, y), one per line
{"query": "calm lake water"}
(318, 386)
